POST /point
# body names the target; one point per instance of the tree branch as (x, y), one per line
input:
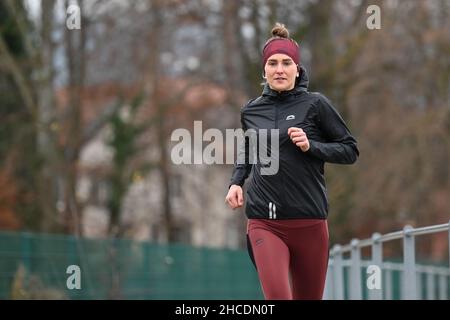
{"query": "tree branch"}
(97, 124)
(21, 25)
(9, 63)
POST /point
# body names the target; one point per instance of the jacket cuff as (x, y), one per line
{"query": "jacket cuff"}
(236, 183)
(312, 147)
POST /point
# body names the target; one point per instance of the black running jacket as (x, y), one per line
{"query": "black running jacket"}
(298, 188)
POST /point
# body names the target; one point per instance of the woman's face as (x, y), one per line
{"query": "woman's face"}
(280, 71)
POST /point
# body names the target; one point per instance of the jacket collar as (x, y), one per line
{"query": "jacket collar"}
(302, 86)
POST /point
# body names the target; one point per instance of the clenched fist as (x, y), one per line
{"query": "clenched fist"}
(235, 197)
(298, 136)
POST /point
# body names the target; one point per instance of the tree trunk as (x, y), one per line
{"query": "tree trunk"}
(75, 53)
(46, 114)
(231, 30)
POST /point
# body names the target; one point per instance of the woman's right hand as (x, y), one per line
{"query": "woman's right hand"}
(235, 197)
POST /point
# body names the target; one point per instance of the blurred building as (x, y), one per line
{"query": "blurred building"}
(200, 215)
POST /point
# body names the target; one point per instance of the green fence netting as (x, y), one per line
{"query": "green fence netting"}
(34, 266)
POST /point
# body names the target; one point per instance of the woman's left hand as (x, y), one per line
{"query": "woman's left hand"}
(298, 136)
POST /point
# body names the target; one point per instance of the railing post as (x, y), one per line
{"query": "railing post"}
(443, 287)
(377, 260)
(431, 284)
(409, 264)
(419, 285)
(328, 292)
(355, 271)
(449, 244)
(388, 285)
(338, 274)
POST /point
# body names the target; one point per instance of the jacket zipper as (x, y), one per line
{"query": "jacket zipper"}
(276, 116)
(283, 193)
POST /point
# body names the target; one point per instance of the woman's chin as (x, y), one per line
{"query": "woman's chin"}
(279, 88)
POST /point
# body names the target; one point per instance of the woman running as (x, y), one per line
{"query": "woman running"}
(287, 233)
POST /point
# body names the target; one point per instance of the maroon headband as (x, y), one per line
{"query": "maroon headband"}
(285, 46)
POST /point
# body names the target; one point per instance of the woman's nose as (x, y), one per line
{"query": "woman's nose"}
(280, 68)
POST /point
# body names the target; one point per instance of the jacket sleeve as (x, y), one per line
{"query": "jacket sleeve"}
(339, 146)
(241, 171)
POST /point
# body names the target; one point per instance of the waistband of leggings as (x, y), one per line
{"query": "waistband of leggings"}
(285, 223)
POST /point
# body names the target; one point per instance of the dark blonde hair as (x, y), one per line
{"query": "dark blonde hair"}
(279, 31)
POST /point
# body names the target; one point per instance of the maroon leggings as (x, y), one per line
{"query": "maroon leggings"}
(291, 257)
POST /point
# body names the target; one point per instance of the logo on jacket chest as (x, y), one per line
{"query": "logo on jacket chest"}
(290, 117)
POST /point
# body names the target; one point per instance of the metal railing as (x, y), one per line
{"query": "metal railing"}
(344, 276)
